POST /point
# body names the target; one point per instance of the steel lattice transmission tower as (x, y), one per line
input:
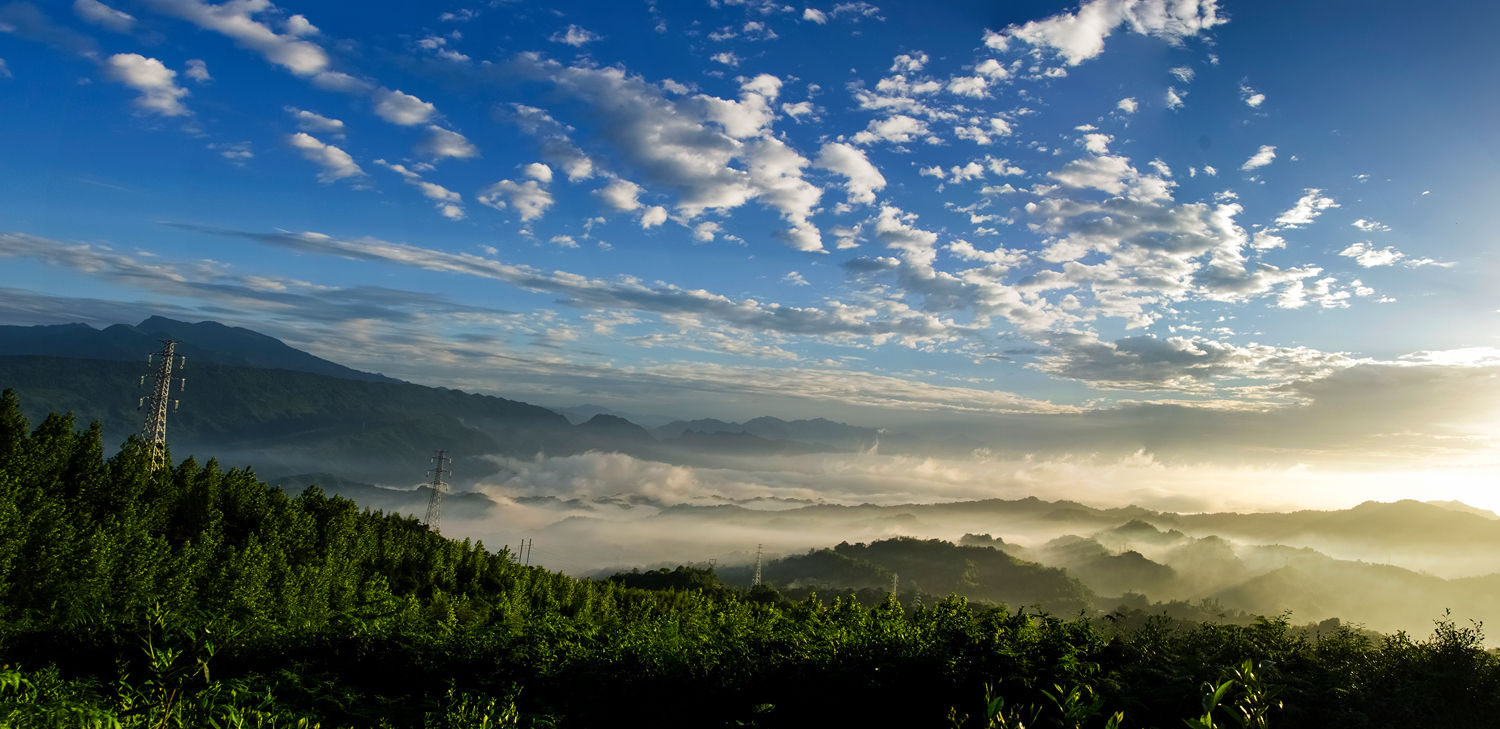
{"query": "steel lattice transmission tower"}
(154, 431)
(757, 566)
(434, 518)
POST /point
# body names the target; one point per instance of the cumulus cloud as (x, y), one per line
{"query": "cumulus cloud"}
(1370, 226)
(899, 129)
(1127, 105)
(308, 121)
(160, 94)
(403, 109)
(1308, 208)
(104, 16)
(715, 153)
(575, 36)
(197, 70)
(1080, 36)
(556, 147)
(814, 15)
(1174, 98)
(653, 216)
(529, 198)
(445, 143)
(726, 58)
(1369, 256)
(336, 163)
(862, 178)
(1251, 97)
(972, 86)
(1183, 74)
(236, 20)
(447, 201)
(1261, 158)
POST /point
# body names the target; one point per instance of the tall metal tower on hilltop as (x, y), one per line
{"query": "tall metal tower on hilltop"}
(757, 566)
(154, 431)
(434, 518)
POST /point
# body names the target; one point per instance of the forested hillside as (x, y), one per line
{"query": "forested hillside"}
(192, 596)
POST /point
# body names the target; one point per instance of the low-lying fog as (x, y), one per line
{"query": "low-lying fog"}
(597, 512)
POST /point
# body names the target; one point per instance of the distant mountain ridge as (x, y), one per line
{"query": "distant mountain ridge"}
(206, 342)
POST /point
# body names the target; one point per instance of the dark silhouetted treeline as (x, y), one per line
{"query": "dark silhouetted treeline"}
(195, 597)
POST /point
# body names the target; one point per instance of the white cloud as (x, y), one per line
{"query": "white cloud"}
(563, 241)
(1079, 37)
(4, 69)
(705, 231)
(856, 9)
(1174, 98)
(816, 16)
(1264, 240)
(336, 163)
(197, 70)
(1369, 256)
(159, 93)
(798, 110)
(653, 216)
(909, 63)
(403, 109)
(1370, 226)
(1127, 105)
(528, 198)
(795, 279)
(557, 149)
(621, 195)
(1251, 97)
(1210, 171)
(1097, 143)
(973, 86)
(104, 16)
(575, 36)
(717, 154)
(1183, 74)
(992, 68)
(1261, 158)
(310, 122)
(1309, 207)
(538, 171)
(899, 128)
(441, 143)
(862, 178)
(236, 20)
(726, 58)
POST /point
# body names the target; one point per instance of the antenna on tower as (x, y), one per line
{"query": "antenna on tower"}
(154, 430)
(435, 501)
(756, 583)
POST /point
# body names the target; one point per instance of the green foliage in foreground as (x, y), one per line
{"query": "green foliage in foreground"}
(191, 597)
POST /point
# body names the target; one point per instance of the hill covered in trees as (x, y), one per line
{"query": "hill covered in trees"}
(196, 596)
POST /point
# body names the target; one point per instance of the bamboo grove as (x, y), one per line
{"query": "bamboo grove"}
(192, 596)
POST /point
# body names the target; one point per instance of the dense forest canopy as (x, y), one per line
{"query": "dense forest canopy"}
(195, 596)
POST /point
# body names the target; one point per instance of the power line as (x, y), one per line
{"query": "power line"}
(154, 430)
(434, 518)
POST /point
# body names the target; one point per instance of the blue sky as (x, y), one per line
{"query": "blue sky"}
(882, 213)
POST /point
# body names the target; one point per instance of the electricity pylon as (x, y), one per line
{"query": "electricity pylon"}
(154, 431)
(435, 502)
(757, 566)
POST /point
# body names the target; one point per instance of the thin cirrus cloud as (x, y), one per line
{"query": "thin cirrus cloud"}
(104, 16)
